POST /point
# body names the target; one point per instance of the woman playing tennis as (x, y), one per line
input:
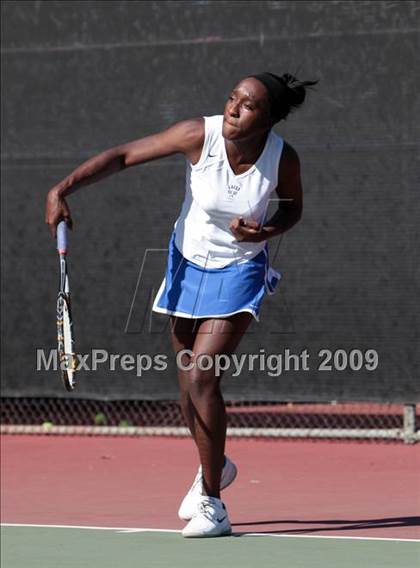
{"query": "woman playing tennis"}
(218, 269)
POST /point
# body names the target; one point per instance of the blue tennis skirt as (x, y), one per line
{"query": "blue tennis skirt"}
(191, 291)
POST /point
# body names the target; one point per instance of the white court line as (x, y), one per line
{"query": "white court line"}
(134, 530)
(117, 529)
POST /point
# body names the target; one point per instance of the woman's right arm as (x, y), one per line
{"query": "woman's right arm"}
(186, 137)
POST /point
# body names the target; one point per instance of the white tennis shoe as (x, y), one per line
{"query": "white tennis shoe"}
(189, 503)
(210, 518)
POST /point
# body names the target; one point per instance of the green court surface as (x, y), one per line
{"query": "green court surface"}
(71, 547)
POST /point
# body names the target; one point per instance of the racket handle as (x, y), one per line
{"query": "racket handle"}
(62, 237)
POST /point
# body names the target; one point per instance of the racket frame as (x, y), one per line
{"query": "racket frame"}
(65, 338)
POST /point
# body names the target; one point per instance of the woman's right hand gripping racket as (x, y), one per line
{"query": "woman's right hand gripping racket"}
(66, 356)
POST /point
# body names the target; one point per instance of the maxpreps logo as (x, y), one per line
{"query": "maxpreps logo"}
(233, 190)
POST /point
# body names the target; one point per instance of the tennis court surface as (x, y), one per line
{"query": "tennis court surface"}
(110, 502)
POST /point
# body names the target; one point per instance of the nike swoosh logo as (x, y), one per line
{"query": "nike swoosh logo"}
(212, 155)
(221, 520)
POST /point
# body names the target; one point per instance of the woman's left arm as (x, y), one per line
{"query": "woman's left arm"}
(289, 191)
(289, 210)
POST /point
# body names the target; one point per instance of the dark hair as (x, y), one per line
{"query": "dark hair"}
(286, 93)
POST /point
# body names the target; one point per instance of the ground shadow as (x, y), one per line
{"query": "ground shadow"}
(338, 524)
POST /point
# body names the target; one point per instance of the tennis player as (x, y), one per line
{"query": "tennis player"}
(218, 269)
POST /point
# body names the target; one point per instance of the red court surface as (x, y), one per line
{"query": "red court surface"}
(286, 487)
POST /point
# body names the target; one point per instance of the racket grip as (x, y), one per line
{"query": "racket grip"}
(62, 237)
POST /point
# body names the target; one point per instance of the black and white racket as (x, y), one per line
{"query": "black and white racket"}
(65, 340)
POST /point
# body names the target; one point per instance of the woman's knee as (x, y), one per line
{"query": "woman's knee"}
(202, 378)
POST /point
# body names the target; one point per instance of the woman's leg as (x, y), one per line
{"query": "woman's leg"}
(207, 407)
(183, 333)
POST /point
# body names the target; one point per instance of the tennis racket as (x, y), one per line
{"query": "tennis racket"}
(65, 341)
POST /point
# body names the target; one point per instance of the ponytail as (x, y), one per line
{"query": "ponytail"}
(285, 93)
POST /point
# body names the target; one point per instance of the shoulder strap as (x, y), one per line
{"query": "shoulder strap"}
(211, 130)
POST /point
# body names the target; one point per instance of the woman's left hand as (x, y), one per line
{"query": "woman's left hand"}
(249, 231)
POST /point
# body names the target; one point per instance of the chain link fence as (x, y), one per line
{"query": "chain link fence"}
(368, 421)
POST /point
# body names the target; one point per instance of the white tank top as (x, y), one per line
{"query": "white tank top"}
(214, 195)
